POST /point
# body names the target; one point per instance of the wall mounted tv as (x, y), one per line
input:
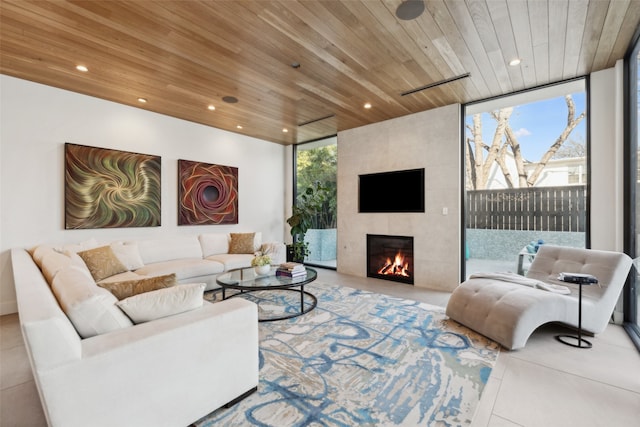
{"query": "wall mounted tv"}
(397, 191)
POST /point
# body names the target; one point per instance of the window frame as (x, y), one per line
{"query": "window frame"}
(463, 193)
(631, 144)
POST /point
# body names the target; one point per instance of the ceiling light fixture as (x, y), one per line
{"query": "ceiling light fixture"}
(82, 68)
(410, 9)
(143, 100)
(285, 130)
(239, 127)
(230, 99)
(514, 62)
(367, 105)
(211, 107)
(295, 64)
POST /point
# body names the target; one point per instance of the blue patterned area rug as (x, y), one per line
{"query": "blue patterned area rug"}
(363, 359)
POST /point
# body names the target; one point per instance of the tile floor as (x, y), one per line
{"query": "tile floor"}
(546, 384)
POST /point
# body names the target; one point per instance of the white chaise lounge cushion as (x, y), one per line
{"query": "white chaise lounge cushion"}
(509, 312)
(91, 309)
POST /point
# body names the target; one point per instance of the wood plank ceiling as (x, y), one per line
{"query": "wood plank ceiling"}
(183, 56)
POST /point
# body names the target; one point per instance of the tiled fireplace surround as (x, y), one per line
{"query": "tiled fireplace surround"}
(430, 140)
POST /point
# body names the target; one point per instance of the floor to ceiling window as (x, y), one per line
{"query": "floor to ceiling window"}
(526, 176)
(316, 183)
(632, 190)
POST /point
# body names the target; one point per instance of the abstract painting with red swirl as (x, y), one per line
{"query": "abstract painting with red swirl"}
(107, 188)
(207, 194)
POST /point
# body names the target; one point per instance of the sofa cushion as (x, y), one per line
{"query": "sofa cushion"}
(128, 254)
(159, 250)
(163, 302)
(129, 288)
(78, 247)
(242, 243)
(231, 261)
(214, 243)
(183, 268)
(102, 262)
(90, 308)
(39, 252)
(54, 261)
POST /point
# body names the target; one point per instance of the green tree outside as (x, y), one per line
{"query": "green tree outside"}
(317, 168)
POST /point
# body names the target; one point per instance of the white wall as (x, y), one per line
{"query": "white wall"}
(430, 140)
(607, 159)
(37, 120)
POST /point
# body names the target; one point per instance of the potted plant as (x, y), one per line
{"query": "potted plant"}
(261, 263)
(303, 213)
(298, 250)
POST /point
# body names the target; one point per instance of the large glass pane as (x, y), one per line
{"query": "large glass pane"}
(636, 279)
(316, 185)
(632, 189)
(525, 176)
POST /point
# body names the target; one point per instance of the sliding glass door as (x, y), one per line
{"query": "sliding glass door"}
(526, 176)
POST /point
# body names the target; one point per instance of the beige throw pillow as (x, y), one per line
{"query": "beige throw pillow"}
(128, 288)
(241, 243)
(163, 302)
(102, 262)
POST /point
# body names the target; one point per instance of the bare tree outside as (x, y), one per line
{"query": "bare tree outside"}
(481, 155)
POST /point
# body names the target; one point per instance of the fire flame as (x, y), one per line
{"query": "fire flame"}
(397, 267)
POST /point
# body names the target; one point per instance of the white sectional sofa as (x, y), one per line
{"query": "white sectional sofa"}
(163, 357)
(193, 258)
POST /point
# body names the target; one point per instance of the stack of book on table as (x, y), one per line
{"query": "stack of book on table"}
(291, 269)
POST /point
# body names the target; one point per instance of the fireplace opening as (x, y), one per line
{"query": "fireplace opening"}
(390, 258)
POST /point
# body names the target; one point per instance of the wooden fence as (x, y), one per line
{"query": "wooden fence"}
(533, 209)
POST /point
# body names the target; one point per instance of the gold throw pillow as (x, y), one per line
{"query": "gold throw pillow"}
(102, 262)
(128, 288)
(241, 243)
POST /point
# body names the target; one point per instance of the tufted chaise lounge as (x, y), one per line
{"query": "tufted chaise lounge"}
(509, 312)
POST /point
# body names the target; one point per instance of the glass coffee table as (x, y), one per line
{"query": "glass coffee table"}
(245, 280)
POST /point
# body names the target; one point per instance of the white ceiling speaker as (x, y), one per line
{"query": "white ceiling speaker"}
(410, 9)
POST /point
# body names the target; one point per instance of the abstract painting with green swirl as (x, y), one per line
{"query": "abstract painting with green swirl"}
(110, 188)
(207, 194)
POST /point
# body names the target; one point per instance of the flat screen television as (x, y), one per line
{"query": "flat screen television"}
(397, 191)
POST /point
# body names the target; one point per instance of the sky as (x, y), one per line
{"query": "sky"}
(538, 124)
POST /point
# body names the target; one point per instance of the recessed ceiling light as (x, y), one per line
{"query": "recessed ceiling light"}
(82, 68)
(514, 62)
(239, 127)
(143, 100)
(295, 64)
(211, 107)
(367, 105)
(285, 130)
(230, 99)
